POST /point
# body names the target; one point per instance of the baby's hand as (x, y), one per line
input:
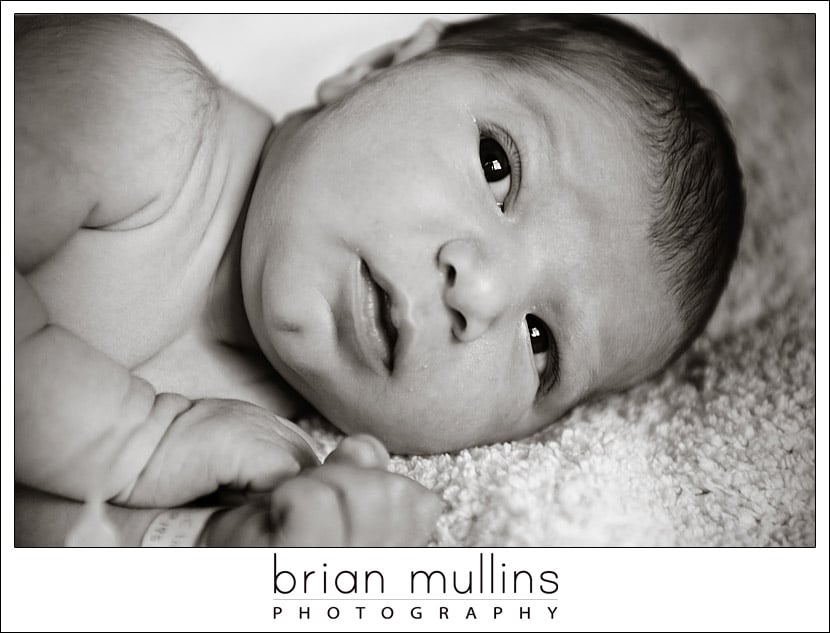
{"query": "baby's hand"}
(219, 444)
(349, 501)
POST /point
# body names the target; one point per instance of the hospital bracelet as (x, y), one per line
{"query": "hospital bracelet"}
(178, 527)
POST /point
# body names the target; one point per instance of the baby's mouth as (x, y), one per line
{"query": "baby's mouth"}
(380, 309)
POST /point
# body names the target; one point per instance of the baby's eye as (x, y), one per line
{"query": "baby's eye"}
(539, 342)
(496, 166)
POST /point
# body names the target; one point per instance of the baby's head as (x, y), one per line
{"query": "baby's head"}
(530, 211)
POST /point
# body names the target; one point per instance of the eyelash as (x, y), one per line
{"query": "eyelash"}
(499, 135)
(550, 376)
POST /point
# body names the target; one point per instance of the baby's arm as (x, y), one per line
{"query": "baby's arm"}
(105, 120)
(350, 500)
(85, 426)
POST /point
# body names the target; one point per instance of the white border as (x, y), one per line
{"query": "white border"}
(636, 589)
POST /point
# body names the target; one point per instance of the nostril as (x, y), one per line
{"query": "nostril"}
(451, 276)
(460, 323)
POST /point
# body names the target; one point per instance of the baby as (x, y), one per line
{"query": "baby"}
(480, 228)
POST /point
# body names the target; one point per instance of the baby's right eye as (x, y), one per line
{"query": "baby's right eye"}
(496, 167)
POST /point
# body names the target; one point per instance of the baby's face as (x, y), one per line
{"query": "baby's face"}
(448, 257)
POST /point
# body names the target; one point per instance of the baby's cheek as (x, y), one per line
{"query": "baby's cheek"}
(453, 414)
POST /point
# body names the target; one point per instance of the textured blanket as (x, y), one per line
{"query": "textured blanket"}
(719, 449)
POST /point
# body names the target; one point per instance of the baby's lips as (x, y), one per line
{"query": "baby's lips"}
(360, 450)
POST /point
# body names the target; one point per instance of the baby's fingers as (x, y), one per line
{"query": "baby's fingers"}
(307, 512)
(360, 450)
(380, 508)
(261, 451)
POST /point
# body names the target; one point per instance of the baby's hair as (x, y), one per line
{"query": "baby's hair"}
(696, 182)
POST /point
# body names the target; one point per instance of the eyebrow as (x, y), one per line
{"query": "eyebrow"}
(537, 108)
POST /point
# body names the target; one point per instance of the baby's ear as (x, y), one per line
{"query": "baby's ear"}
(385, 56)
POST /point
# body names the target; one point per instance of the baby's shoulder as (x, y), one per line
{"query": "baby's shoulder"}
(120, 100)
(113, 56)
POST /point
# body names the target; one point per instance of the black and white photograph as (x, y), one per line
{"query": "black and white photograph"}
(448, 280)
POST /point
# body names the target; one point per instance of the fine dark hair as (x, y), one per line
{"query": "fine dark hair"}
(695, 179)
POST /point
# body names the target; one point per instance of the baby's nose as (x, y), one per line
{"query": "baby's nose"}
(474, 291)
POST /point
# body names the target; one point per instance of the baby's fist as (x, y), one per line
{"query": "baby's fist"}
(349, 501)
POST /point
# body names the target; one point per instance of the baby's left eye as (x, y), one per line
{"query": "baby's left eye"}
(539, 342)
(496, 167)
(545, 352)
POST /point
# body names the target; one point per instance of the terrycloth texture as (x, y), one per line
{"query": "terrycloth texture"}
(720, 449)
